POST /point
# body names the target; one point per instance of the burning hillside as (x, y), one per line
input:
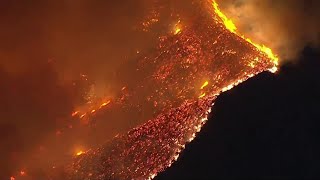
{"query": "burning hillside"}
(176, 86)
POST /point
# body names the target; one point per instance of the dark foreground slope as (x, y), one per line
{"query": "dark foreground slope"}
(266, 128)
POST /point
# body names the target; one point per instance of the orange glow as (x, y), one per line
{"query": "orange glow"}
(232, 28)
(93, 111)
(12, 178)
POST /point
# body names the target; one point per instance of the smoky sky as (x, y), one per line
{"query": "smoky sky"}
(284, 25)
(85, 37)
(45, 45)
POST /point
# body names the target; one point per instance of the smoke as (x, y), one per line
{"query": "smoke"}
(45, 46)
(286, 26)
(31, 103)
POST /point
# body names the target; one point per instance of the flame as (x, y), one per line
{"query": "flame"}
(233, 28)
(79, 153)
(104, 104)
(177, 30)
(205, 84)
(227, 22)
(202, 95)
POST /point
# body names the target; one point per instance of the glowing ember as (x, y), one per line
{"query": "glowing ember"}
(83, 115)
(79, 153)
(75, 113)
(105, 104)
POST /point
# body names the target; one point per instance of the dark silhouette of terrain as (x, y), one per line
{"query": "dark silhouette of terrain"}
(266, 128)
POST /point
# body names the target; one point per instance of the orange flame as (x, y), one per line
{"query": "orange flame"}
(233, 28)
(79, 153)
(104, 104)
(202, 95)
(177, 28)
(205, 84)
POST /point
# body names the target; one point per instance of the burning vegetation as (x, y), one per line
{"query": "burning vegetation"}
(178, 81)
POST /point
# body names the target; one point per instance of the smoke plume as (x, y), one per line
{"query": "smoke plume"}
(284, 25)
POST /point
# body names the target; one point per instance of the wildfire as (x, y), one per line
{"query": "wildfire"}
(233, 28)
(181, 62)
(176, 67)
